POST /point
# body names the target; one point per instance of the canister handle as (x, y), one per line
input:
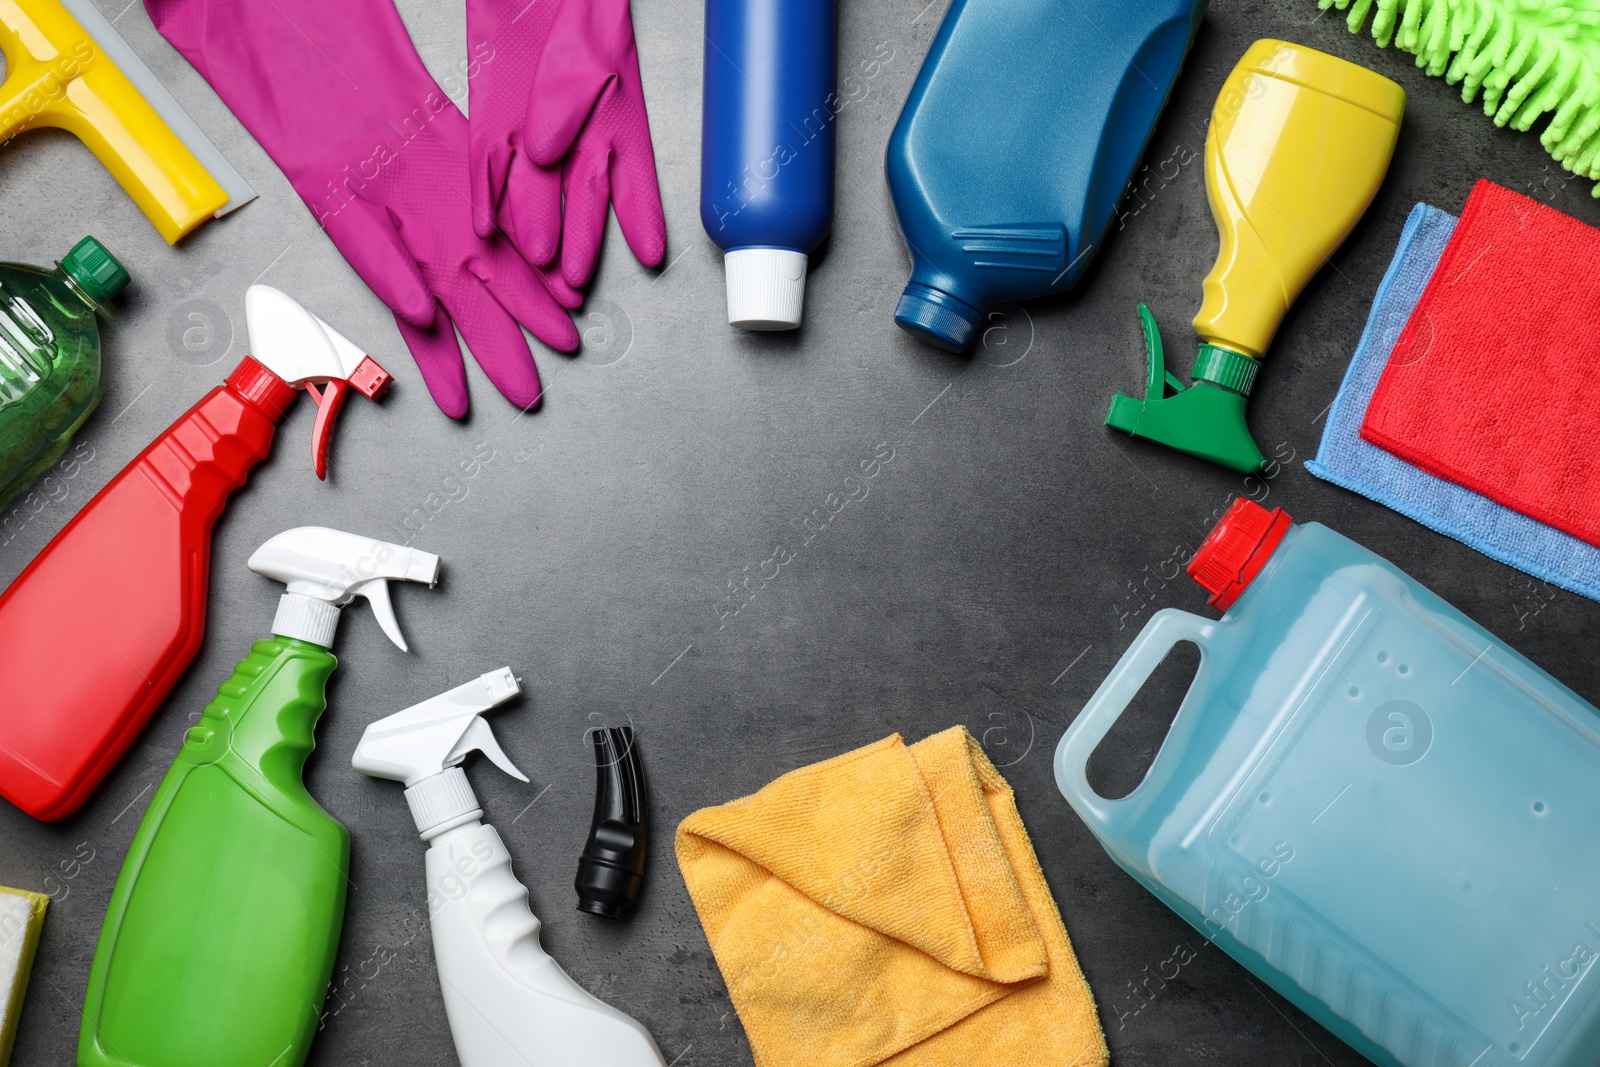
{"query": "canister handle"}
(1164, 630)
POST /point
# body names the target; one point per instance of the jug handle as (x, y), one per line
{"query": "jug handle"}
(1164, 630)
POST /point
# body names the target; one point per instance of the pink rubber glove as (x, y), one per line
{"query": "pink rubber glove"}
(337, 95)
(557, 109)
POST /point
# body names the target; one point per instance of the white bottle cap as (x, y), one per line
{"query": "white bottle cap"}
(306, 618)
(442, 802)
(766, 288)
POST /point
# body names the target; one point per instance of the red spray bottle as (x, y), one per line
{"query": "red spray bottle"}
(122, 588)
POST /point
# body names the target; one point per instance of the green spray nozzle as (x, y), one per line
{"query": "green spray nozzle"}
(1205, 419)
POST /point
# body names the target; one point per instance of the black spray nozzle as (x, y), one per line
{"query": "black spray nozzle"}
(611, 869)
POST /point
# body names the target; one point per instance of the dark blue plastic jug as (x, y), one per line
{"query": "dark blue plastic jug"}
(766, 149)
(1016, 143)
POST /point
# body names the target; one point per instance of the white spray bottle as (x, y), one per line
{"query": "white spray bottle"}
(509, 1003)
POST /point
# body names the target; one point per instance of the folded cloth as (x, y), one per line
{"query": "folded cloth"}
(885, 906)
(1494, 383)
(1471, 518)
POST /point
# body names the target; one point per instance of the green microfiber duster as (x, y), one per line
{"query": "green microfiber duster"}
(1528, 57)
(21, 918)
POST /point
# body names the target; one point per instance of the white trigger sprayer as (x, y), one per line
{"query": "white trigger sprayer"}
(509, 1003)
(324, 570)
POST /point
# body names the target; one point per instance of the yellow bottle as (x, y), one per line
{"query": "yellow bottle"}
(1298, 145)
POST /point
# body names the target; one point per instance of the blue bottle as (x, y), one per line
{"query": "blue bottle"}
(766, 149)
(1368, 800)
(1016, 143)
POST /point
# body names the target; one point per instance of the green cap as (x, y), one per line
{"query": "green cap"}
(95, 270)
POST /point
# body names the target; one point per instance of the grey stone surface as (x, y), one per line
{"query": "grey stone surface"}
(998, 566)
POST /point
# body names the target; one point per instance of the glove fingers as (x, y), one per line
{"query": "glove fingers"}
(635, 190)
(486, 177)
(496, 343)
(367, 238)
(532, 209)
(566, 84)
(493, 120)
(517, 288)
(439, 359)
(565, 295)
(588, 188)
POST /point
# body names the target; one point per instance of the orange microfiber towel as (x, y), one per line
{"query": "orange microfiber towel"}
(885, 906)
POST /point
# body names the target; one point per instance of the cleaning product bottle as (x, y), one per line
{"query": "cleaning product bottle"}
(1369, 801)
(121, 590)
(766, 149)
(223, 925)
(1298, 145)
(509, 1003)
(1016, 143)
(50, 357)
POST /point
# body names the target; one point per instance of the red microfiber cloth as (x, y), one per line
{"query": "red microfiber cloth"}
(1494, 383)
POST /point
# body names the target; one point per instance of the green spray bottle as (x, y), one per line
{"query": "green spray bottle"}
(222, 929)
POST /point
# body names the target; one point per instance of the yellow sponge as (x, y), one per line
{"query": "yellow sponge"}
(21, 919)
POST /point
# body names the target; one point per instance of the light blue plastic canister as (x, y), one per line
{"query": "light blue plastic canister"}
(1371, 802)
(1016, 144)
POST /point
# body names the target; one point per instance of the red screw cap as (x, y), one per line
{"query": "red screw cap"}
(261, 387)
(1236, 549)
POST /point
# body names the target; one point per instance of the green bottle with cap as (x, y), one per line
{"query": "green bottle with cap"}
(50, 357)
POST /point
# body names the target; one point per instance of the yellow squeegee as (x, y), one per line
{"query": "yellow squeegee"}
(67, 67)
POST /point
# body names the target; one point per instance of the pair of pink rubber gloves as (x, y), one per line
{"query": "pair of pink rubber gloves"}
(478, 224)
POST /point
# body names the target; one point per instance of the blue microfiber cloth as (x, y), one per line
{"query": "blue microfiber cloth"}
(1471, 518)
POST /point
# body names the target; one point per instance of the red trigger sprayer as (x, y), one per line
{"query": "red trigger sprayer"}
(117, 601)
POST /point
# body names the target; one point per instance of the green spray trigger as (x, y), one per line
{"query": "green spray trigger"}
(1205, 419)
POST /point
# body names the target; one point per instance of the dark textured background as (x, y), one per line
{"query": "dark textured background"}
(1000, 564)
